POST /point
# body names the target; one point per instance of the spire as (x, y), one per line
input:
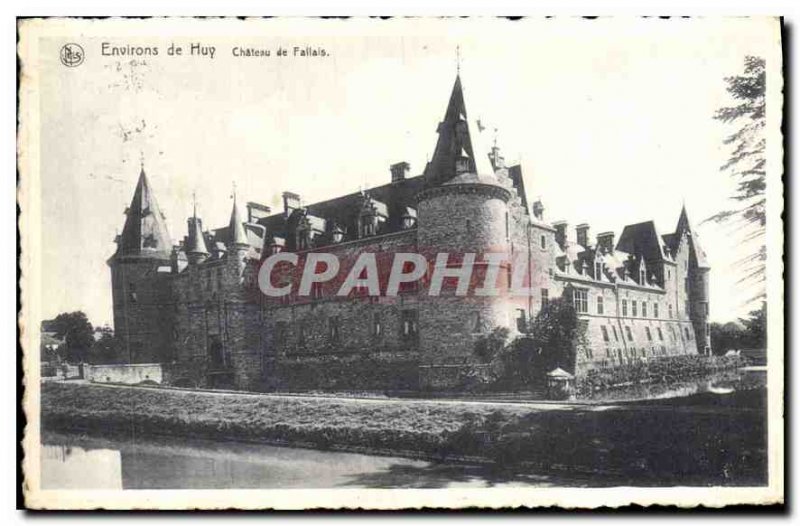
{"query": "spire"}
(457, 133)
(195, 242)
(236, 226)
(145, 232)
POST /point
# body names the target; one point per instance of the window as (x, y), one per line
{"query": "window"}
(377, 326)
(545, 297)
(670, 311)
(522, 320)
(543, 241)
(476, 322)
(316, 291)
(406, 286)
(642, 277)
(580, 300)
(660, 334)
(408, 328)
(281, 331)
(655, 310)
(628, 333)
(599, 304)
(616, 338)
(644, 309)
(333, 329)
(598, 270)
(624, 307)
(634, 309)
(605, 333)
(688, 334)
(649, 335)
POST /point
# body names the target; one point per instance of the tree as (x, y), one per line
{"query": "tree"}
(107, 349)
(755, 328)
(556, 335)
(76, 331)
(747, 166)
(726, 337)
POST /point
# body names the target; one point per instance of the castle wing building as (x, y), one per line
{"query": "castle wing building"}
(197, 305)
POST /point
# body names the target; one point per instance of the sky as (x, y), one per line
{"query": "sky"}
(610, 119)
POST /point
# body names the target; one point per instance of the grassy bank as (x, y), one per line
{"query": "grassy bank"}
(720, 441)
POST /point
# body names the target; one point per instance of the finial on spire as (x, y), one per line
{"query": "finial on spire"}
(458, 60)
(141, 159)
(194, 204)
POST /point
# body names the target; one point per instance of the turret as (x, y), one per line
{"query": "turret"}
(238, 245)
(138, 278)
(698, 279)
(196, 249)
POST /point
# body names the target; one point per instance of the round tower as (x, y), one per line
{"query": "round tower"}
(141, 293)
(463, 209)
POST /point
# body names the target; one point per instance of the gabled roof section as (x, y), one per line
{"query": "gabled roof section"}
(642, 239)
(145, 232)
(457, 133)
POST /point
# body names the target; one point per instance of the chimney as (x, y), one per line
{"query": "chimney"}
(399, 171)
(582, 234)
(256, 211)
(605, 242)
(561, 233)
(291, 201)
(538, 210)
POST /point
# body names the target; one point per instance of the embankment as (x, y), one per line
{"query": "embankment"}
(710, 441)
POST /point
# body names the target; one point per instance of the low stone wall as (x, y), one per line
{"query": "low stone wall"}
(124, 373)
(454, 376)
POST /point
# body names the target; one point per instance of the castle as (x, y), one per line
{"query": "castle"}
(196, 305)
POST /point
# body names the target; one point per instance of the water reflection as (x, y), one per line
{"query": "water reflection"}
(729, 404)
(75, 467)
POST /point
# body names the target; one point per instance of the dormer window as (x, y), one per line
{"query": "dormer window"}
(462, 162)
(338, 234)
(303, 238)
(643, 277)
(598, 270)
(409, 218)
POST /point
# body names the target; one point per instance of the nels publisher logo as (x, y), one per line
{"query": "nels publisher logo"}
(72, 55)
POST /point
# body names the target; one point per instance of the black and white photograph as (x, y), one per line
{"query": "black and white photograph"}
(401, 262)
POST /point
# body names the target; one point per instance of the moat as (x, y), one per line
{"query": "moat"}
(75, 460)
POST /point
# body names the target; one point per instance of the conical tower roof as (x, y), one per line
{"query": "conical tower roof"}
(684, 225)
(195, 241)
(145, 232)
(236, 226)
(457, 135)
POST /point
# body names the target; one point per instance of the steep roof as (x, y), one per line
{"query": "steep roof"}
(695, 249)
(343, 211)
(442, 166)
(642, 239)
(145, 232)
(236, 226)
